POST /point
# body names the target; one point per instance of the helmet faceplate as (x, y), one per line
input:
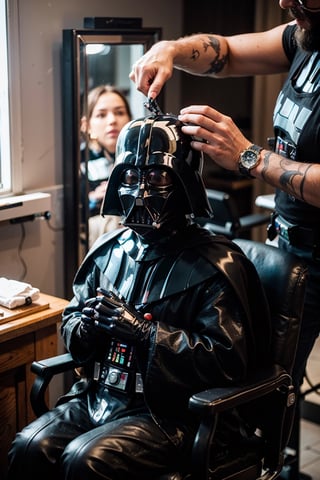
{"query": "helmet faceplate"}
(156, 180)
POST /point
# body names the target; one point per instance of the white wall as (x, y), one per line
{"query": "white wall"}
(39, 248)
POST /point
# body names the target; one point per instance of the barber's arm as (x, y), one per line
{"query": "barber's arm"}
(210, 55)
(223, 142)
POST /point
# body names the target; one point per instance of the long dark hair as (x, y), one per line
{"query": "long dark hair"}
(95, 94)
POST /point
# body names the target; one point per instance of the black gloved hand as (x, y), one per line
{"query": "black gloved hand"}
(87, 333)
(114, 316)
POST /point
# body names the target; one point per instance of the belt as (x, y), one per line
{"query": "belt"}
(297, 236)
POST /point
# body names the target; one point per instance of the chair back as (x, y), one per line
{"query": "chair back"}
(226, 218)
(283, 276)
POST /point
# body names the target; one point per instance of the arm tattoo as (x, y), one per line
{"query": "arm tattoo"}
(286, 180)
(195, 55)
(218, 62)
(265, 165)
(302, 182)
(288, 176)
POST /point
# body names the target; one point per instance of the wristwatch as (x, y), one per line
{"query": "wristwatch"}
(248, 159)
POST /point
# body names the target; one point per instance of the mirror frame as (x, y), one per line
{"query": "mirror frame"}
(73, 40)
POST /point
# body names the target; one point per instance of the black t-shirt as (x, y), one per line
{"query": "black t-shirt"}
(297, 124)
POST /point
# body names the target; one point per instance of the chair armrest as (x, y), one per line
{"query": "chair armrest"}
(212, 401)
(45, 370)
(209, 403)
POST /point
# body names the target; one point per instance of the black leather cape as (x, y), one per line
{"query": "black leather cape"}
(210, 318)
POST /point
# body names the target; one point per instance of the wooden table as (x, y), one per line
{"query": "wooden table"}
(32, 336)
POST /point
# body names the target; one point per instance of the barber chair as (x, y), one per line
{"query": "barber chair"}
(226, 219)
(267, 396)
(291, 470)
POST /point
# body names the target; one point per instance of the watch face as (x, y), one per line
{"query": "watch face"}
(249, 158)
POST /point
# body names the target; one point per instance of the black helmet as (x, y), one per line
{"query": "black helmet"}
(154, 149)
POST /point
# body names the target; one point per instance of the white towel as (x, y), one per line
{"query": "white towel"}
(14, 294)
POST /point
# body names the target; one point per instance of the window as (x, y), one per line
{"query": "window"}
(5, 150)
(10, 146)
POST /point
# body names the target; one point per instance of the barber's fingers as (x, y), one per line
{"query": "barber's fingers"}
(204, 111)
(149, 81)
(152, 70)
(204, 120)
(210, 126)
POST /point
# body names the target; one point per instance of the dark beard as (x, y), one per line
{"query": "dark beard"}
(308, 40)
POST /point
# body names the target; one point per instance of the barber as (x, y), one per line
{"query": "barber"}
(292, 167)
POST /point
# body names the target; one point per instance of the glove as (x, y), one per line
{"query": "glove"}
(114, 316)
(87, 334)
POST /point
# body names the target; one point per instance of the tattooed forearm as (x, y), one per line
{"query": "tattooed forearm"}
(297, 179)
(288, 179)
(292, 178)
(265, 165)
(218, 62)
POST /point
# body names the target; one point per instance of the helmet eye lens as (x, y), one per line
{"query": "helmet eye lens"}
(130, 177)
(159, 178)
(156, 177)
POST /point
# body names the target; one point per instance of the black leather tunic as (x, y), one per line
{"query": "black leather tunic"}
(210, 321)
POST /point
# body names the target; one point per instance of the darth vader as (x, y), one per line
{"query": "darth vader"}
(162, 309)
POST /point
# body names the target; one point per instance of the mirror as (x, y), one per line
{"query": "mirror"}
(93, 57)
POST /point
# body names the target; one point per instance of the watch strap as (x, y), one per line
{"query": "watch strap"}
(255, 148)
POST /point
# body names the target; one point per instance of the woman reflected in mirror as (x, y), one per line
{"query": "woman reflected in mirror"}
(108, 111)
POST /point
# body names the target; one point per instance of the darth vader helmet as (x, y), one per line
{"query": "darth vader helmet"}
(156, 182)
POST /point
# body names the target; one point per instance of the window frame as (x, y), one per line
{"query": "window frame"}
(12, 103)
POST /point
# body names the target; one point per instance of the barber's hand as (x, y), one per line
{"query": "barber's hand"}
(153, 69)
(222, 139)
(115, 317)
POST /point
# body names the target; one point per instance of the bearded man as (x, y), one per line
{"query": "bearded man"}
(293, 164)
